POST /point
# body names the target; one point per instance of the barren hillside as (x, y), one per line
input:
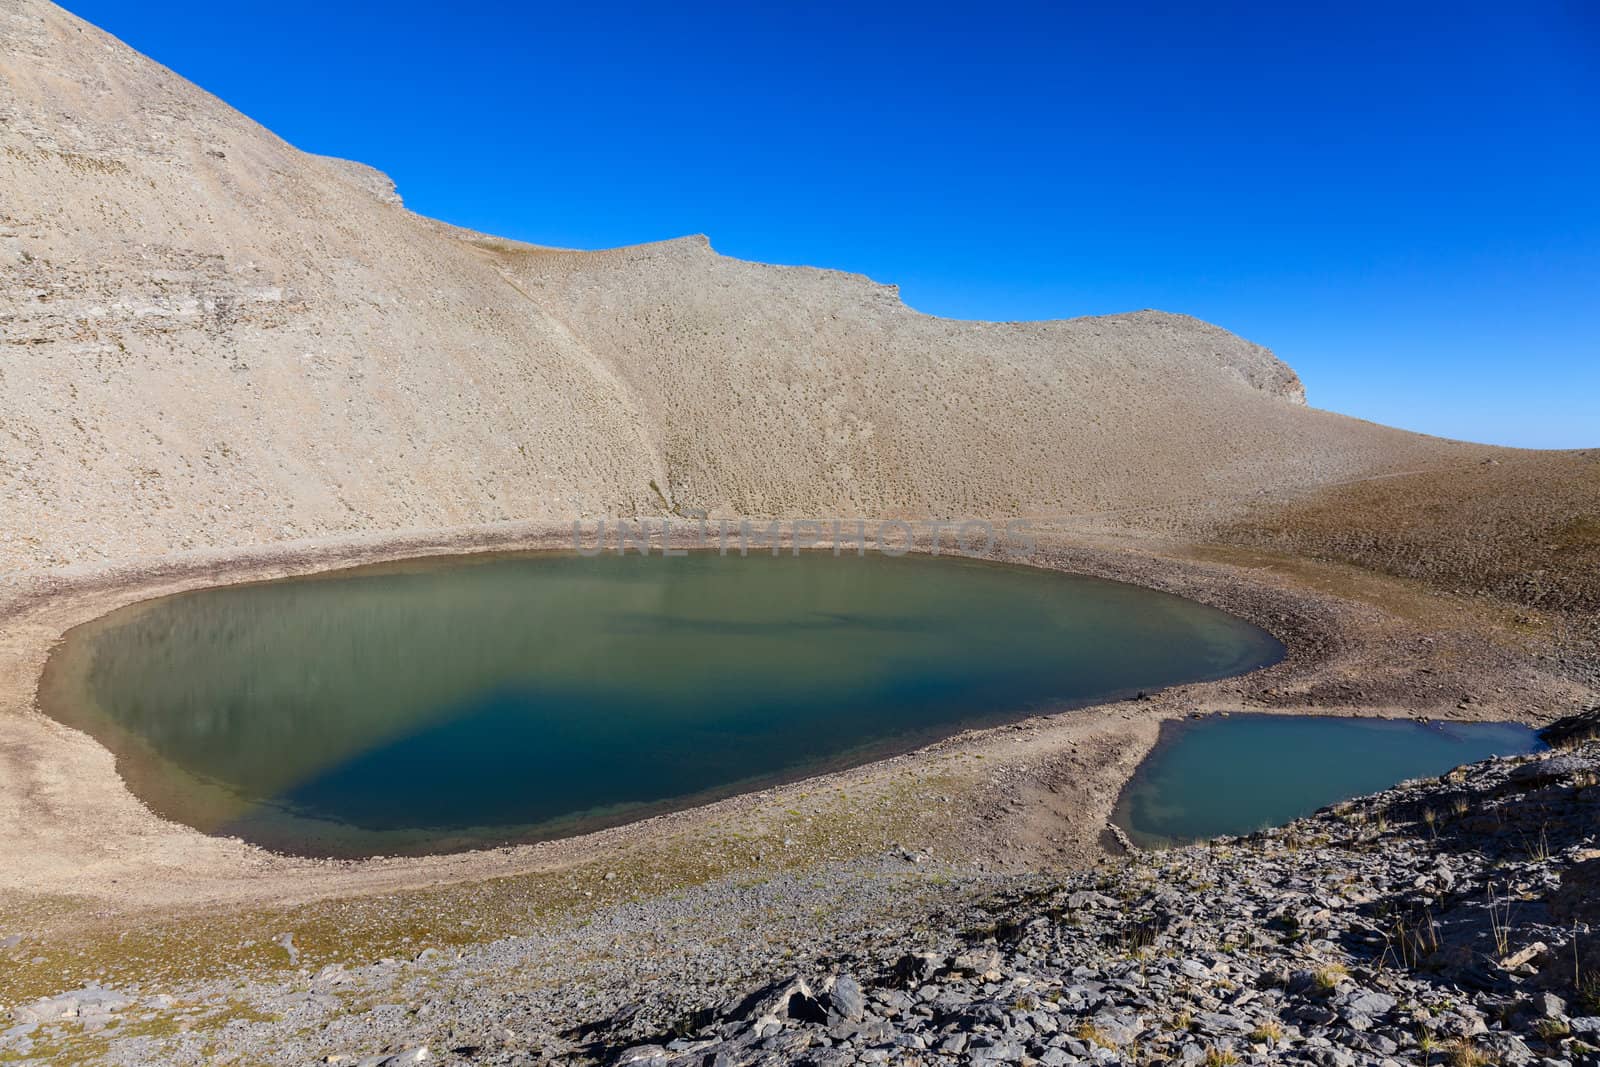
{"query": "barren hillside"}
(1526, 529)
(213, 339)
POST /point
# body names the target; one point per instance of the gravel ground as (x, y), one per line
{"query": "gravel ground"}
(1454, 919)
(1451, 920)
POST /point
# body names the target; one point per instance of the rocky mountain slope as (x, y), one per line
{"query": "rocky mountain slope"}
(213, 339)
(209, 339)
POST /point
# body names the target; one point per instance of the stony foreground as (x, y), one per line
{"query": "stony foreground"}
(1452, 920)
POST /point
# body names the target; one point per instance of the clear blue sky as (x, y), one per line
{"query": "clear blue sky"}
(1404, 204)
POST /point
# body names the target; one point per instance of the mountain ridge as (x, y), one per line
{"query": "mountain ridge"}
(216, 339)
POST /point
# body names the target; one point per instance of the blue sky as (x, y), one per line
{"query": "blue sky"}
(1403, 201)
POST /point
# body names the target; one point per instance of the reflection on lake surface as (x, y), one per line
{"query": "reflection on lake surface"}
(451, 703)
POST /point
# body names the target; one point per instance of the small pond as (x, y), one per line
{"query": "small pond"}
(453, 703)
(1234, 774)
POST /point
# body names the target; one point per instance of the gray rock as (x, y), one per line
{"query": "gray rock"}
(1219, 1023)
(88, 1002)
(408, 1057)
(994, 1050)
(845, 998)
(829, 1057)
(1549, 1006)
(1370, 1004)
(916, 968)
(1509, 1049)
(1561, 765)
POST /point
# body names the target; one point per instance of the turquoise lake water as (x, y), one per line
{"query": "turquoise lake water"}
(448, 704)
(1234, 774)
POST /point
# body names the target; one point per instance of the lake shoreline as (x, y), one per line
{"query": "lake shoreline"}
(283, 712)
(1183, 792)
(1033, 794)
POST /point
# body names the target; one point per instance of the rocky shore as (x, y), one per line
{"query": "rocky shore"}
(1453, 920)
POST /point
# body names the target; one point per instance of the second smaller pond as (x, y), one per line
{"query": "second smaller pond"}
(1234, 774)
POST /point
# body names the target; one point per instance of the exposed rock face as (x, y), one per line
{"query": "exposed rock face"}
(212, 338)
